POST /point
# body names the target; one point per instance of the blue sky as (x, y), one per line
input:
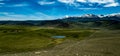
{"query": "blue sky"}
(54, 9)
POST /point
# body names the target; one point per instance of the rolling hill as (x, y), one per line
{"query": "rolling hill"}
(86, 21)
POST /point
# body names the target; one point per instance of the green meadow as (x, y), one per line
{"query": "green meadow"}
(40, 41)
(23, 39)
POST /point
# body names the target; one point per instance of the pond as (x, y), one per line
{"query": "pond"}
(58, 36)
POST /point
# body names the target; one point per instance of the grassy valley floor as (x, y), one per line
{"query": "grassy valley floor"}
(78, 42)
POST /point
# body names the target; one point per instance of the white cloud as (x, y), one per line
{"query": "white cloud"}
(35, 16)
(4, 13)
(67, 1)
(101, 1)
(13, 5)
(90, 4)
(88, 8)
(18, 5)
(66, 16)
(97, 1)
(81, 0)
(111, 5)
(45, 3)
(105, 3)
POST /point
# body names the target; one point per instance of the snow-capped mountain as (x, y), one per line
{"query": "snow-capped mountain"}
(90, 20)
(90, 16)
(114, 14)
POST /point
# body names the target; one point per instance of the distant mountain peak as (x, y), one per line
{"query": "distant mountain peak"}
(113, 15)
(95, 16)
(90, 16)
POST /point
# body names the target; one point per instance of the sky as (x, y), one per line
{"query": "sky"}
(55, 9)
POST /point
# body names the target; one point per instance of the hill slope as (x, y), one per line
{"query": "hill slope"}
(87, 21)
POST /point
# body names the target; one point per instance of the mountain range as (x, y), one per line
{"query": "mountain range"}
(85, 21)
